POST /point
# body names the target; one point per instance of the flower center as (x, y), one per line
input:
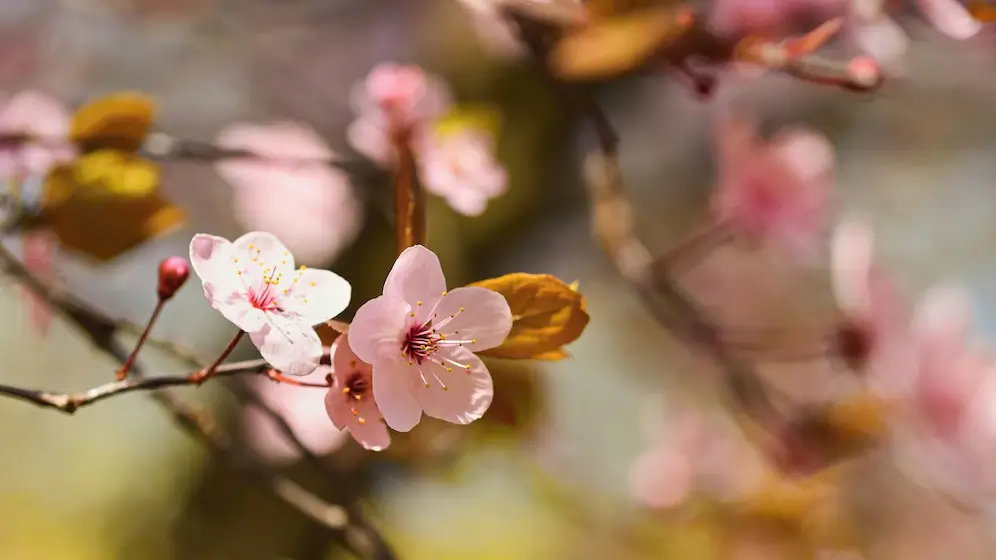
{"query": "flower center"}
(355, 390)
(424, 341)
(264, 290)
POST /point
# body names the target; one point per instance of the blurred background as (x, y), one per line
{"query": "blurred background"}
(546, 473)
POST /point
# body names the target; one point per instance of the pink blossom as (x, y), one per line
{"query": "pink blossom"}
(350, 402)
(46, 122)
(692, 454)
(302, 408)
(394, 101)
(880, 36)
(39, 249)
(874, 337)
(775, 191)
(461, 168)
(289, 188)
(946, 431)
(420, 339)
(253, 284)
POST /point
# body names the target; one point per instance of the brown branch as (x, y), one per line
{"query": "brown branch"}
(341, 522)
(409, 199)
(71, 402)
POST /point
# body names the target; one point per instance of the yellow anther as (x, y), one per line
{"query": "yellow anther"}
(419, 303)
(444, 292)
(303, 267)
(461, 310)
(449, 369)
(250, 245)
(283, 262)
(427, 385)
(236, 259)
(345, 390)
(445, 388)
(412, 314)
(473, 341)
(312, 284)
(361, 421)
(356, 412)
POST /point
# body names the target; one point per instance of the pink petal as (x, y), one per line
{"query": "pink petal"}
(882, 38)
(316, 295)
(37, 113)
(417, 278)
(344, 360)
(468, 203)
(735, 140)
(379, 328)
(661, 478)
(371, 138)
(394, 390)
(808, 154)
(950, 17)
(212, 258)
(851, 255)
(337, 408)
(485, 317)
(39, 249)
(942, 321)
(372, 435)
(468, 393)
(289, 346)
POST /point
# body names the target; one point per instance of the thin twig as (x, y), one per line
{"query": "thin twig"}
(101, 329)
(71, 402)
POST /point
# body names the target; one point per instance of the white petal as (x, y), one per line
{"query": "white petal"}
(314, 295)
(289, 346)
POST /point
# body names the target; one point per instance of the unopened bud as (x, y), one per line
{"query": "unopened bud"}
(173, 272)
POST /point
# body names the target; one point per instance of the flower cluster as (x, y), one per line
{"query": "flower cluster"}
(397, 109)
(408, 351)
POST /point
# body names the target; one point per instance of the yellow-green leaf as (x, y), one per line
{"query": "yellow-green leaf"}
(477, 117)
(119, 121)
(547, 315)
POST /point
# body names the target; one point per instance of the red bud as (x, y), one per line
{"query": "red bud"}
(173, 272)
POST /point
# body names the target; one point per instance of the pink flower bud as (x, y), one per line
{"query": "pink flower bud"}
(173, 272)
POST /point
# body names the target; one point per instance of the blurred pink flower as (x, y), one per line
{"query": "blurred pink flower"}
(304, 412)
(291, 190)
(946, 432)
(46, 123)
(394, 100)
(253, 284)
(350, 401)
(461, 168)
(767, 18)
(692, 454)
(773, 191)
(421, 362)
(880, 36)
(875, 335)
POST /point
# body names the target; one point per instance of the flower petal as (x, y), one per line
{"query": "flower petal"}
(260, 252)
(851, 257)
(478, 314)
(337, 407)
(467, 394)
(289, 346)
(212, 259)
(316, 295)
(950, 17)
(808, 154)
(417, 278)
(394, 390)
(942, 321)
(661, 478)
(372, 434)
(344, 361)
(379, 328)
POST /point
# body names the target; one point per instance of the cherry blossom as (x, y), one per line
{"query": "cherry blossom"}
(775, 191)
(45, 122)
(350, 402)
(394, 101)
(420, 339)
(302, 408)
(692, 454)
(253, 284)
(874, 336)
(461, 168)
(290, 189)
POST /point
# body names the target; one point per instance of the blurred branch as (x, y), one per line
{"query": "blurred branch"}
(409, 198)
(71, 402)
(102, 329)
(613, 226)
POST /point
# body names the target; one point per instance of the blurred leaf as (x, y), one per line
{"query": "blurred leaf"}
(619, 44)
(114, 174)
(119, 121)
(91, 218)
(462, 117)
(547, 314)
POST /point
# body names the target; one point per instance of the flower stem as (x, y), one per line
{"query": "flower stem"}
(409, 200)
(280, 378)
(206, 373)
(122, 373)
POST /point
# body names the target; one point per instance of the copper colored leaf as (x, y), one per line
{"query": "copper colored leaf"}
(547, 314)
(119, 121)
(104, 227)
